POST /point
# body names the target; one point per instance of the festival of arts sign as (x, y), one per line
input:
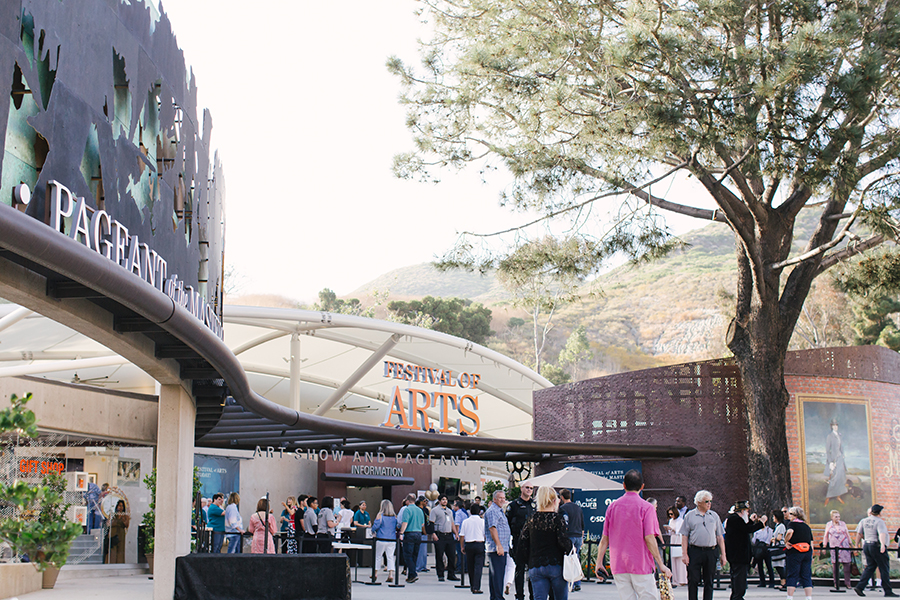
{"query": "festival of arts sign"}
(413, 414)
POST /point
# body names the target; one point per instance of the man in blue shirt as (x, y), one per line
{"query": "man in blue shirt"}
(411, 528)
(496, 536)
(217, 522)
(92, 498)
(460, 514)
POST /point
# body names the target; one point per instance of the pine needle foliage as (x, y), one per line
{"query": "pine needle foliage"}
(592, 105)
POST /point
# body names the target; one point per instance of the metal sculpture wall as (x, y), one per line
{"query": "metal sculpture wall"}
(100, 100)
(696, 404)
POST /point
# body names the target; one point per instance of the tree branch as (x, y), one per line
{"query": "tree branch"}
(845, 232)
(878, 162)
(734, 172)
(849, 252)
(635, 190)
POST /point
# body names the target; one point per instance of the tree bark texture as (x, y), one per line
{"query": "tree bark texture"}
(765, 315)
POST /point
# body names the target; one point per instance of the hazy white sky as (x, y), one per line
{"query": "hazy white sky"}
(306, 121)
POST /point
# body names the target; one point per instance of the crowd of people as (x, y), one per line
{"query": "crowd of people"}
(699, 539)
(303, 525)
(531, 535)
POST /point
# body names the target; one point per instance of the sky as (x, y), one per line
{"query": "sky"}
(306, 122)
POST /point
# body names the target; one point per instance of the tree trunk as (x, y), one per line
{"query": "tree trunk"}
(757, 337)
(766, 398)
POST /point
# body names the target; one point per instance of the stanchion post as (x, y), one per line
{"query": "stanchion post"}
(590, 574)
(374, 580)
(396, 582)
(462, 572)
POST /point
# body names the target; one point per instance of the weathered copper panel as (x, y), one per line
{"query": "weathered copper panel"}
(99, 98)
(696, 404)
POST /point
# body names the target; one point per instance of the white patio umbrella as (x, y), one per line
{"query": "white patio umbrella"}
(574, 479)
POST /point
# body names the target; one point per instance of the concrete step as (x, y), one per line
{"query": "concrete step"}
(83, 571)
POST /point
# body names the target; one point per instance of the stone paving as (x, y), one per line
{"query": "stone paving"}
(140, 587)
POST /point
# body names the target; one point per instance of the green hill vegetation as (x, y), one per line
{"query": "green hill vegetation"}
(672, 310)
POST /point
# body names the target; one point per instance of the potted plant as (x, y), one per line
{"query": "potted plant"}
(40, 528)
(148, 521)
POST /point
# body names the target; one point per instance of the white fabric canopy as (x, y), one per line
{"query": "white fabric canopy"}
(573, 478)
(322, 351)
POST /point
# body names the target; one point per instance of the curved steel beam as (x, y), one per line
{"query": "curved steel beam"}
(39, 243)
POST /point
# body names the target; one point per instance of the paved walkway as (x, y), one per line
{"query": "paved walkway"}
(140, 587)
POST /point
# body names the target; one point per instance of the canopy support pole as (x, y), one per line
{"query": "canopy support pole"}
(360, 372)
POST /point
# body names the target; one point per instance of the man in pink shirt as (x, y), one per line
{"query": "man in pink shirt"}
(630, 532)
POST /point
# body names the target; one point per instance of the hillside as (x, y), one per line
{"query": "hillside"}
(671, 310)
(668, 309)
(418, 281)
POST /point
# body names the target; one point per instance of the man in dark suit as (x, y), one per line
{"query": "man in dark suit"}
(739, 526)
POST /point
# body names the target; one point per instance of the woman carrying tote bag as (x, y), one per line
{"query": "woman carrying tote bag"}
(542, 547)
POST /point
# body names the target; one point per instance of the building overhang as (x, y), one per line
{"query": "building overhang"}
(163, 332)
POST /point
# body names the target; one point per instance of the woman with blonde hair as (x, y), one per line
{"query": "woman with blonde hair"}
(234, 525)
(288, 537)
(384, 529)
(838, 536)
(798, 553)
(542, 545)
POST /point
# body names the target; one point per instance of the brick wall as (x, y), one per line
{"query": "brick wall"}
(883, 401)
(701, 405)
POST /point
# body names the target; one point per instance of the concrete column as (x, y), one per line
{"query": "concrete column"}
(174, 478)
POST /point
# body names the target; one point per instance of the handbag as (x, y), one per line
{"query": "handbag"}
(572, 566)
(760, 550)
(776, 552)
(665, 588)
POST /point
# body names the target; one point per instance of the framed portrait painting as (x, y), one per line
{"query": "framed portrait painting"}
(836, 458)
(129, 471)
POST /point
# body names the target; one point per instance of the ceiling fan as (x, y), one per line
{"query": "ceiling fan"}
(95, 381)
(366, 408)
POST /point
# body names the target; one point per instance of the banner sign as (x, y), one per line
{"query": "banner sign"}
(218, 474)
(594, 503)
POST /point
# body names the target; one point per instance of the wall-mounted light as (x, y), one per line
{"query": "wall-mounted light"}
(21, 195)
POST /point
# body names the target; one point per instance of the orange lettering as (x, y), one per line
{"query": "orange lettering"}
(445, 416)
(468, 415)
(415, 409)
(396, 408)
(447, 378)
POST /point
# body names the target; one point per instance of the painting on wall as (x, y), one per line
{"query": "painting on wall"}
(837, 458)
(129, 471)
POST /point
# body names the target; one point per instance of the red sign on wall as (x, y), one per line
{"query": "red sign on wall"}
(32, 467)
